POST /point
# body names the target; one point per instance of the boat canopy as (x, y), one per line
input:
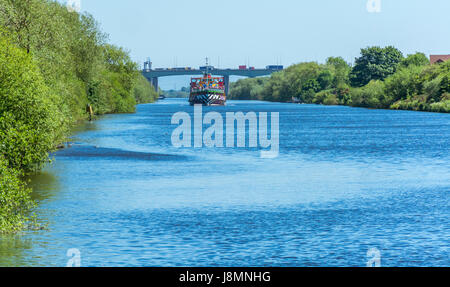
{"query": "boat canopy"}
(207, 82)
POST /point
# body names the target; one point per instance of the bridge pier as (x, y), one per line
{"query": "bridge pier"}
(227, 84)
(154, 82)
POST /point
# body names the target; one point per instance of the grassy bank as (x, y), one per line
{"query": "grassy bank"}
(53, 63)
(381, 78)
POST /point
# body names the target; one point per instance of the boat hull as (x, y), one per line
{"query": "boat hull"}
(207, 100)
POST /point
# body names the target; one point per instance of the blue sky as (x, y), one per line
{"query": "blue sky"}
(263, 32)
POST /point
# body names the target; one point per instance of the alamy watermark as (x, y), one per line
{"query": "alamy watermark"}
(214, 136)
(373, 6)
(74, 5)
(75, 258)
(374, 257)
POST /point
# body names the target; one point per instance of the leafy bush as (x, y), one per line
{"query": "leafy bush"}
(370, 96)
(433, 89)
(15, 201)
(441, 107)
(73, 57)
(413, 103)
(52, 64)
(417, 59)
(247, 89)
(30, 122)
(383, 79)
(326, 97)
(143, 91)
(406, 82)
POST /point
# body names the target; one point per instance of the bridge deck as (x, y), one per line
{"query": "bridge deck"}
(153, 75)
(218, 72)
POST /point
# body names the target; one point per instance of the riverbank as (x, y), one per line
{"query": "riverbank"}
(380, 79)
(48, 84)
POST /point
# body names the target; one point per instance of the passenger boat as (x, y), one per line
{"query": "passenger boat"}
(207, 90)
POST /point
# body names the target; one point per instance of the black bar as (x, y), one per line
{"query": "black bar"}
(255, 277)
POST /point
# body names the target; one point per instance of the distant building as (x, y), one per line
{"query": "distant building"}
(439, 58)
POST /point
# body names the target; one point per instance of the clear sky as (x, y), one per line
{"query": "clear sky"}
(263, 32)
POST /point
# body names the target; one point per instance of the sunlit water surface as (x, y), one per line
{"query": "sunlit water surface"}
(346, 180)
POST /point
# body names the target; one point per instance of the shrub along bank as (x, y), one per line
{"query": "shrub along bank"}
(53, 63)
(380, 78)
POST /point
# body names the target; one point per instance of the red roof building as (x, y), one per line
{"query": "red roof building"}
(439, 58)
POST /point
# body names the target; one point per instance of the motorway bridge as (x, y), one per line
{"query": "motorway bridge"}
(153, 75)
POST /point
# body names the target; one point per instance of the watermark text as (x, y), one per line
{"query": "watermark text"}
(235, 131)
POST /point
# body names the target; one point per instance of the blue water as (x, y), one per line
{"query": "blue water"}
(346, 180)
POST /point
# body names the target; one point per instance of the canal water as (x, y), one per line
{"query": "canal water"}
(347, 180)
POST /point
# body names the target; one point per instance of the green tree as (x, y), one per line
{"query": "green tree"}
(375, 63)
(144, 91)
(276, 89)
(30, 123)
(404, 83)
(341, 70)
(248, 89)
(52, 63)
(417, 59)
(445, 84)
(325, 79)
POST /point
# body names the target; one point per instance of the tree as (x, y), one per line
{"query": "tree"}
(276, 89)
(143, 91)
(417, 59)
(375, 63)
(341, 70)
(247, 89)
(405, 82)
(325, 79)
(30, 123)
(52, 63)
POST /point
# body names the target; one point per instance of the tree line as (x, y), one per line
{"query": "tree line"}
(53, 64)
(380, 78)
